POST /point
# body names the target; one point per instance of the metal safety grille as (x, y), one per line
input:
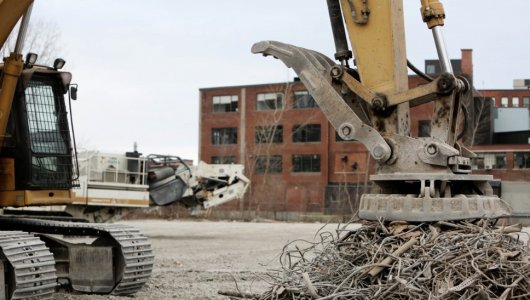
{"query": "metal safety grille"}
(49, 135)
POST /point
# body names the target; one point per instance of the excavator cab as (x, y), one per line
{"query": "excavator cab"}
(37, 151)
(38, 168)
(38, 254)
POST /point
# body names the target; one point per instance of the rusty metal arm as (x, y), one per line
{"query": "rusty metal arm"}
(314, 69)
(445, 84)
(442, 85)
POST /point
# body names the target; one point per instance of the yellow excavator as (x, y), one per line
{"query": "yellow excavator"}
(37, 168)
(417, 179)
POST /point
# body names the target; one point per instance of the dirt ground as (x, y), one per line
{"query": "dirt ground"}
(195, 259)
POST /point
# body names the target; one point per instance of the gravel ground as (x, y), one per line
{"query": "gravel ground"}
(195, 259)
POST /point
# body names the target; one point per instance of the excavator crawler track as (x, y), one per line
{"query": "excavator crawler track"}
(135, 255)
(31, 265)
(138, 256)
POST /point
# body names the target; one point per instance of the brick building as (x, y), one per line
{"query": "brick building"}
(297, 164)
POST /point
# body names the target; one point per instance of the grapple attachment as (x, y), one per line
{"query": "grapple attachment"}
(314, 70)
(418, 179)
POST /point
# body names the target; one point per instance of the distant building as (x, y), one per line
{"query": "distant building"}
(299, 166)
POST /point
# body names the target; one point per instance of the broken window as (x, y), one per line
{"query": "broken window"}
(269, 134)
(306, 163)
(302, 99)
(225, 103)
(222, 136)
(306, 133)
(268, 164)
(269, 101)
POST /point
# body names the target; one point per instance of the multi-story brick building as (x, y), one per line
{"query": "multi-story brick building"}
(297, 164)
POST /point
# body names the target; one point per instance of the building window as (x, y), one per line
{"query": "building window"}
(306, 133)
(225, 160)
(515, 101)
(269, 101)
(504, 101)
(303, 99)
(268, 164)
(222, 136)
(521, 160)
(224, 103)
(424, 128)
(269, 134)
(489, 161)
(306, 163)
(526, 102)
(430, 69)
(493, 103)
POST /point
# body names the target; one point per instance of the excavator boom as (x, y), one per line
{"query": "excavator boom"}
(10, 13)
(417, 178)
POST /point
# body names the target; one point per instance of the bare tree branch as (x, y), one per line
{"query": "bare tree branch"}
(480, 119)
(42, 38)
(262, 157)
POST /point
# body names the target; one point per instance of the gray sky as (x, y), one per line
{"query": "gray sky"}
(140, 64)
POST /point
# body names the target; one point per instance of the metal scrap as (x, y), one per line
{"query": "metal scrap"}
(440, 260)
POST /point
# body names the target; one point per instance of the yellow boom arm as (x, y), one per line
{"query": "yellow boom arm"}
(10, 12)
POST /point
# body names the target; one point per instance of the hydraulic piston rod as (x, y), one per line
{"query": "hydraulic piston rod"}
(23, 30)
(445, 62)
(433, 13)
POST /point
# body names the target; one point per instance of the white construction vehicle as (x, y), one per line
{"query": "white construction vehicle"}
(111, 183)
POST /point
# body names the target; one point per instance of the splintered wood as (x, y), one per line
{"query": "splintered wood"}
(443, 260)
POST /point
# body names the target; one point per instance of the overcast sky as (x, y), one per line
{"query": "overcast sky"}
(139, 64)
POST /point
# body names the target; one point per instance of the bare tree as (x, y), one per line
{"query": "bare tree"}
(344, 192)
(259, 158)
(479, 119)
(42, 38)
(264, 157)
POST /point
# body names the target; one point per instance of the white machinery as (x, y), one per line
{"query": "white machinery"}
(109, 182)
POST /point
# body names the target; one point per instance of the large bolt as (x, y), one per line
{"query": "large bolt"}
(443, 84)
(378, 152)
(446, 84)
(346, 130)
(336, 72)
(379, 103)
(432, 149)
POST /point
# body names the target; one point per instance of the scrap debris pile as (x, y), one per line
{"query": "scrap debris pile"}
(442, 260)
